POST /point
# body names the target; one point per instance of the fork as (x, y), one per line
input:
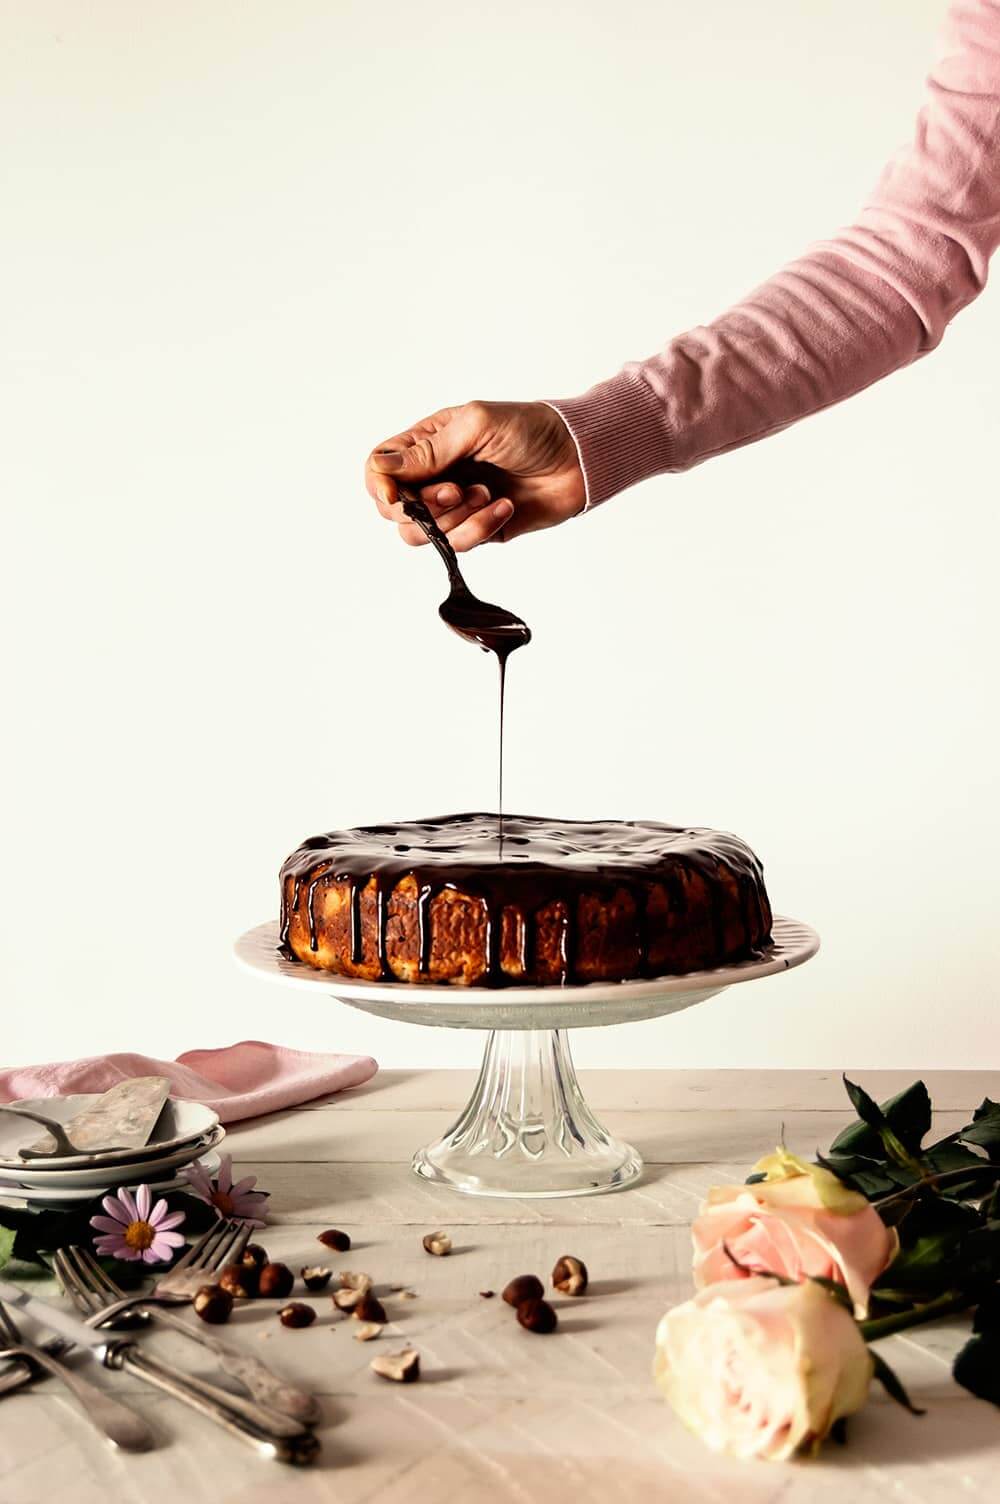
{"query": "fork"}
(116, 1421)
(105, 1305)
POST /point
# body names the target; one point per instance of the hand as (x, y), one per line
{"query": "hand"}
(489, 471)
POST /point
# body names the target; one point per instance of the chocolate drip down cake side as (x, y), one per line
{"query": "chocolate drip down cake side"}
(563, 901)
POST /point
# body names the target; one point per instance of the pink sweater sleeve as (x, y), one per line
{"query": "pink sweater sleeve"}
(872, 299)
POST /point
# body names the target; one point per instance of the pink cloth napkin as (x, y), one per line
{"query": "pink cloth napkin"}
(242, 1080)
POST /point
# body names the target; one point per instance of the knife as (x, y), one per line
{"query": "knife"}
(271, 1435)
(123, 1118)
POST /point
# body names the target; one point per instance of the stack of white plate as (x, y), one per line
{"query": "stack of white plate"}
(184, 1132)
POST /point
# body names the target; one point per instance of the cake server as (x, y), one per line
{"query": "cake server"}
(123, 1118)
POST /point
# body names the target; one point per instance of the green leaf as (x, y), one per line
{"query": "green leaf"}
(892, 1385)
(907, 1114)
(980, 1256)
(984, 1129)
(859, 1173)
(977, 1368)
(7, 1237)
(948, 1155)
(933, 1235)
(755, 1178)
(877, 1120)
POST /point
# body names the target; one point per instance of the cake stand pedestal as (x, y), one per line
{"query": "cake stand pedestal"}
(527, 1130)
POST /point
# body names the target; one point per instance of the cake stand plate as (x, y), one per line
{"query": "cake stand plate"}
(527, 1129)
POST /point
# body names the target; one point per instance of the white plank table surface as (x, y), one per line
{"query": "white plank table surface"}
(500, 1414)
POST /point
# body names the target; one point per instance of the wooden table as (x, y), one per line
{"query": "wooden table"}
(501, 1414)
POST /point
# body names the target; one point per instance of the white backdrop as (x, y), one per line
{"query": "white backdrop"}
(243, 242)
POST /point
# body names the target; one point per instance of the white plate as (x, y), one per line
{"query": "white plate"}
(585, 1006)
(53, 1195)
(179, 1123)
(37, 1171)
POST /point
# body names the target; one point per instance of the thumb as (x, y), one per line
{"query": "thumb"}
(431, 447)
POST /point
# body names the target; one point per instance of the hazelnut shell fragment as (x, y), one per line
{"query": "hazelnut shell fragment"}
(438, 1243)
(537, 1316)
(570, 1275)
(296, 1313)
(370, 1309)
(353, 1288)
(524, 1287)
(276, 1281)
(316, 1276)
(368, 1331)
(240, 1280)
(487, 1294)
(254, 1256)
(213, 1304)
(402, 1367)
(335, 1239)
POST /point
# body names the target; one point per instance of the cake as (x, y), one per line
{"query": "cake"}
(465, 900)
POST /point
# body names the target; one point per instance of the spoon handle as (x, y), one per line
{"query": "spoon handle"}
(419, 512)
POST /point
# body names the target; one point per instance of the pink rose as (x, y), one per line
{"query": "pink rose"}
(800, 1222)
(761, 1369)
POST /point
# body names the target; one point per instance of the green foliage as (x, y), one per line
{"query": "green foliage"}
(7, 1236)
(906, 1117)
(893, 1385)
(977, 1367)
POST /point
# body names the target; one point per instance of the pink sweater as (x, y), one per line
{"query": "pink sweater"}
(872, 299)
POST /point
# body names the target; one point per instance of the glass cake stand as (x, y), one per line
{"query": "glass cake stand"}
(527, 1129)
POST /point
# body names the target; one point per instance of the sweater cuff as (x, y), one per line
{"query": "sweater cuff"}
(621, 433)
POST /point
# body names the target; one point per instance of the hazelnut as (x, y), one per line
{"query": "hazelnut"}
(213, 1304)
(525, 1287)
(403, 1367)
(368, 1331)
(254, 1257)
(369, 1308)
(316, 1277)
(437, 1242)
(240, 1280)
(335, 1239)
(570, 1275)
(296, 1314)
(352, 1288)
(276, 1281)
(537, 1316)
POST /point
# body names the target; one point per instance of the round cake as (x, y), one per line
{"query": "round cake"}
(468, 900)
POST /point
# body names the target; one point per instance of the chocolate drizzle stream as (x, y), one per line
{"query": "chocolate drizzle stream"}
(548, 862)
(492, 628)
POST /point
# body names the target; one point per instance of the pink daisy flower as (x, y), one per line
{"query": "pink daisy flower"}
(134, 1229)
(239, 1201)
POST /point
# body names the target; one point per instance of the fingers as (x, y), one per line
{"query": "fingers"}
(448, 517)
(425, 450)
(485, 524)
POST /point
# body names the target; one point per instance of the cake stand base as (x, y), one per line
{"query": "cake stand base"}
(527, 1129)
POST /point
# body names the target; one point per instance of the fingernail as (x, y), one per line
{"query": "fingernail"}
(389, 459)
(503, 509)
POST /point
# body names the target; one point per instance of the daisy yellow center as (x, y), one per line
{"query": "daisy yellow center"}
(223, 1202)
(139, 1235)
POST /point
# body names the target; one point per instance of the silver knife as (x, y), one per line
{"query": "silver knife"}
(271, 1435)
(123, 1118)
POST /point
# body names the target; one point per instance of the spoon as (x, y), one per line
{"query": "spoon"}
(490, 627)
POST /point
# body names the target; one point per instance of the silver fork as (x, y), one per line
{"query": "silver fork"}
(114, 1420)
(105, 1305)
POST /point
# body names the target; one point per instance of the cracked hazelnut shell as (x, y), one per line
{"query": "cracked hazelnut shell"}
(316, 1276)
(402, 1367)
(240, 1280)
(370, 1309)
(438, 1243)
(254, 1256)
(570, 1275)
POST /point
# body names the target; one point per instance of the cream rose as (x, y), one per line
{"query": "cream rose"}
(799, 1222)
(761, 1369)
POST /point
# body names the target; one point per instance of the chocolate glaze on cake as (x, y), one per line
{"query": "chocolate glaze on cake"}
(570, 901)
